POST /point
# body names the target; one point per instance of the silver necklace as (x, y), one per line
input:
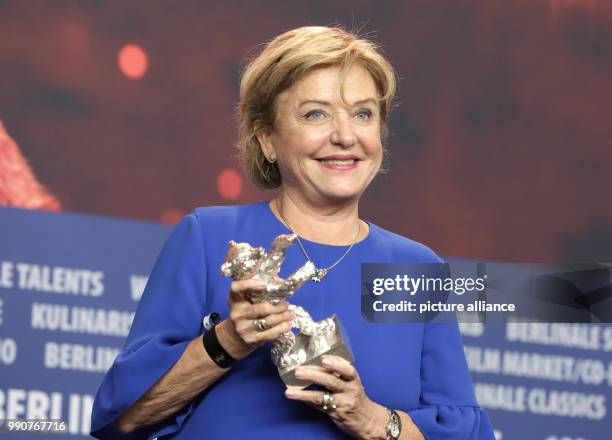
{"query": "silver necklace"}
(319, 272)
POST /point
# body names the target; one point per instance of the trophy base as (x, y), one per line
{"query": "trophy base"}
(336, 344)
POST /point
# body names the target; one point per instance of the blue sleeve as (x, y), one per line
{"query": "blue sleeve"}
(169, 315)
(448, 408)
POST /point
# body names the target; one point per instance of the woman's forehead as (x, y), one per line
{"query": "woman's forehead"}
(326, 84)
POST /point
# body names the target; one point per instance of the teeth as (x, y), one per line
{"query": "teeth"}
(339, 162)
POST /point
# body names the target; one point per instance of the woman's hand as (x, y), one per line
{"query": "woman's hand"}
(354, 412)
(240, 333)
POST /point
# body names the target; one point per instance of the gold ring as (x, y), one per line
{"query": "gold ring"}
(261, 324)
(328, 404)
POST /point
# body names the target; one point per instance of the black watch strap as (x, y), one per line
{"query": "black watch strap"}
(215, 350)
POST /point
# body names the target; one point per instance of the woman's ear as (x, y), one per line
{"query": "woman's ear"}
(265, 141)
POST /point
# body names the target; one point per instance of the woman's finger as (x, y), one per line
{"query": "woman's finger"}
(341, 366)
(271, 321)
(239, 289)
(258, 337)
(262, 310)
(324, 378)
(315, 398)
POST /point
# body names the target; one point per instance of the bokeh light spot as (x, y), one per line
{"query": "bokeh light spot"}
(171, 217)
(133, 61)
(229, 184)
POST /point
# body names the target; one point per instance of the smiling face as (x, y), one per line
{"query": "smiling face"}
(328, 149)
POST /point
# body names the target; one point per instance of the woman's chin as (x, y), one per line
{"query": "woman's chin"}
(338, 195)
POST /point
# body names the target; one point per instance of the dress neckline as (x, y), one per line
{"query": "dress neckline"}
(268, 210)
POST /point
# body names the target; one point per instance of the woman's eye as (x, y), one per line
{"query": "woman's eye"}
(315, 115)
(364, 115)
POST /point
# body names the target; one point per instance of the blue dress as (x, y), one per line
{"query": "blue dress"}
(416, 368)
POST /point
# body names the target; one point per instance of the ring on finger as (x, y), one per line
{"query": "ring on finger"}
(328, 404)
(261, 324)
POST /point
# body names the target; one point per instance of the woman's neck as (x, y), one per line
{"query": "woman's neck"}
(330, 224)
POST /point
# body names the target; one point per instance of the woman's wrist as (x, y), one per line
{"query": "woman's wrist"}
(376, 425)
(231, 342)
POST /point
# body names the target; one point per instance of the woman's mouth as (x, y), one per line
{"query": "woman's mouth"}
(339, 164)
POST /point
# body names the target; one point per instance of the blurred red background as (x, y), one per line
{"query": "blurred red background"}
(500, 146)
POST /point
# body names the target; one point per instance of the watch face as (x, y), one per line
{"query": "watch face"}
(395, 432)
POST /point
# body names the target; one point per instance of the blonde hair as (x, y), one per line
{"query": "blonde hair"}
(284, 61)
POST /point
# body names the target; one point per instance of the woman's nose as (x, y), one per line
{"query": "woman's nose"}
(342, 133)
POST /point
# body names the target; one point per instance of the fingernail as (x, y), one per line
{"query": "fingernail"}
(326, 361)
(299, 374)
(290, 393)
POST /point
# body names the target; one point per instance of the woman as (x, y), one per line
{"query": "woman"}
(313, 110)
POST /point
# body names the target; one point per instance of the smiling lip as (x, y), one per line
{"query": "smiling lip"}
(339, 162)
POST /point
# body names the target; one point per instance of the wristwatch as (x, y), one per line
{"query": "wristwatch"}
(394, 426)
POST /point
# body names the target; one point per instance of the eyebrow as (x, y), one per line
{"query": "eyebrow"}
(318, 101)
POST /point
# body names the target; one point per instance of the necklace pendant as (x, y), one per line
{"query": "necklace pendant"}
(319, 275)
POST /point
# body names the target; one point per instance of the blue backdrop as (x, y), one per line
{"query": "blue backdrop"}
(69, 285)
